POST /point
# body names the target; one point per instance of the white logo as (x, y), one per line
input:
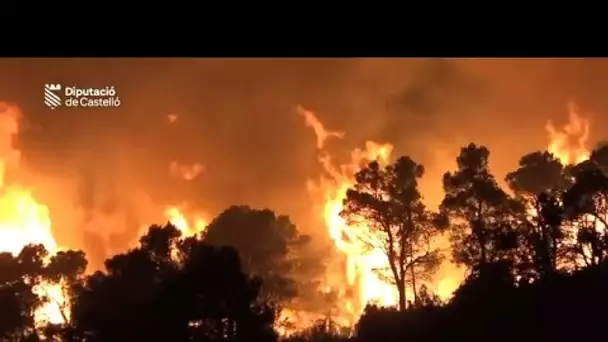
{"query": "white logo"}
(51, 99)
(56, 95)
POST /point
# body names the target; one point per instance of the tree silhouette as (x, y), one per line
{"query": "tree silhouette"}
(270, 247)
(211, 299)
(600, 156)
(538, 183)
(67, 269)
(173, 289)
(18, 301)
(586, 203)
(480, 210)
(388, 201)
(319, 332)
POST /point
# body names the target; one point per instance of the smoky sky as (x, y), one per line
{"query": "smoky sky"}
(238, 118)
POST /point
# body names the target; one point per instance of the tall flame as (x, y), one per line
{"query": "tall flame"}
(568, 144)
(362, 262)
(22, 219)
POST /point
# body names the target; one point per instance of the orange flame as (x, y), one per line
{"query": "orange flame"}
(22, 219)
(362, 263)
(195, 225)
(569, 144)
(561, 146)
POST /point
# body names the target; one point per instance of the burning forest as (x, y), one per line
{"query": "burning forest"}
(382, 246)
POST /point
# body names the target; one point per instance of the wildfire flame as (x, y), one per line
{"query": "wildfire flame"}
(22, 219)
(362, 262)
(569, 144)
(191, 227)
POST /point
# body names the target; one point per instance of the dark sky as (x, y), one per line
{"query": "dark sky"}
(238, 118)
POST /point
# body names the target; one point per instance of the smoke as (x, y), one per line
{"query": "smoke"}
(105, 172)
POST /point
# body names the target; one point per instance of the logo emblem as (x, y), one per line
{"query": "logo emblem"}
(51, 99)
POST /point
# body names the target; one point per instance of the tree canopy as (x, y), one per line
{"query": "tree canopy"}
(389, 204)
(272, 248)
(537, 255)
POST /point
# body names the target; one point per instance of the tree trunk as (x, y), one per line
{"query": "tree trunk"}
(547, 251)
(414, 285)
(400, 284)
(547, 242)
(479, 231)
(402, 297)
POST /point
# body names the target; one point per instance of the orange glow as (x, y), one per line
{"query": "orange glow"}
(22, 219)
(364, 284)
(25, 221)
(561, 146)
(186, 172)
(360, 283)
(189, 227)
(568, 144)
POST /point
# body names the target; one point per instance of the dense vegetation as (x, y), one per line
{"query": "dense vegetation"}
(536, 255)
